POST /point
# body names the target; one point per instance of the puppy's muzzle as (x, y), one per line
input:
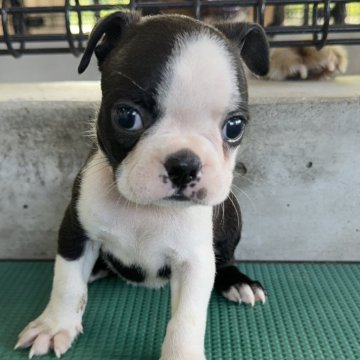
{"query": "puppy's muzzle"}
(183, 168)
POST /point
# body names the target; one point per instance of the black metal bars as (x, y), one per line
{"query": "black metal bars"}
(325, 26)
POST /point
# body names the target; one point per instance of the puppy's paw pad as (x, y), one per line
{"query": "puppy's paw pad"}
(45, 333)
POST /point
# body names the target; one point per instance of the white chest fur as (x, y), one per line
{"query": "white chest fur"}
(147, 236)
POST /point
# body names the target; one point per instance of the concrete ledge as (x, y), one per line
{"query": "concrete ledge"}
(300, 166)
(260, 92)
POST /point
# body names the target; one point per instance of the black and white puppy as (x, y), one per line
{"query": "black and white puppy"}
(153, 200)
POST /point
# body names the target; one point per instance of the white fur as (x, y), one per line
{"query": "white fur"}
(200, 82)
(245, 294)
(152, 236)
(147, 235)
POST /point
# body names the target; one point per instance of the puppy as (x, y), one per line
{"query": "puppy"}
(152, 202)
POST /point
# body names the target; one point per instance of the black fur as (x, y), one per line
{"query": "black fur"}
(131, 75)
(132, 273)
(100, 265)
(231, 276)
(227, 232)
(72, 236)
(164, 272)
(112, 27)
(253, 44)
(227, 229)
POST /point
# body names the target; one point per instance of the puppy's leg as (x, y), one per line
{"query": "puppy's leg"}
(60, 322)
(191, 285)
(229, 281)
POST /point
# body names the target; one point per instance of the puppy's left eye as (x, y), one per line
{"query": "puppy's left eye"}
(127, 118)
(233, 129)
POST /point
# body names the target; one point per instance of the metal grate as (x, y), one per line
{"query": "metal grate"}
(35, 27)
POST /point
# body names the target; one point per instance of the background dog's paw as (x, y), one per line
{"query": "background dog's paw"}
(307, 63)
(236, 286)
(46, 333)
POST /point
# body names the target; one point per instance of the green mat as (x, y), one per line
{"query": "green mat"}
(313, 312)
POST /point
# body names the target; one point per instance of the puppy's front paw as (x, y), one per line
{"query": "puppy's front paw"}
(238, 287)
(182, 344)
(49, 332)
(183, 356)
(307, 63)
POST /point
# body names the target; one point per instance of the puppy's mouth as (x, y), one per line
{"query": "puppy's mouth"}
(178, 196)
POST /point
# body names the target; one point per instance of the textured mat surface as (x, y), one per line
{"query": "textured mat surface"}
(313, 312)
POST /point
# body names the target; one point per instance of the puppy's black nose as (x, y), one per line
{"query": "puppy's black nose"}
(182, 167)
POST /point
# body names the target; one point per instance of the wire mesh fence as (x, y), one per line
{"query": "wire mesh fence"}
(62, 26)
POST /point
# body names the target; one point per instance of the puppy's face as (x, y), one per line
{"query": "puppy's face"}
(173, 112)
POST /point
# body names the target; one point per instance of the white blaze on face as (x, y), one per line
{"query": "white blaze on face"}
(198, 90)
(200, 83)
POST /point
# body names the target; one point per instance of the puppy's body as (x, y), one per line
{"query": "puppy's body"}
(152, 201)
(137, 242)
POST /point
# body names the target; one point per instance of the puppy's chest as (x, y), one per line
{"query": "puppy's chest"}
(135, 245)
(142, 244)
(145, 241)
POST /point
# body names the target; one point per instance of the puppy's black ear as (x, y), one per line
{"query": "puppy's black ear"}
(113, 27)
(253, 44)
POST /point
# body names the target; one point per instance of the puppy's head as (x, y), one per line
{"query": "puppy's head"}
(174, 105)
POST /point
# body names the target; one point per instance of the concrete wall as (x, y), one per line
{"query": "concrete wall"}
(299, 168)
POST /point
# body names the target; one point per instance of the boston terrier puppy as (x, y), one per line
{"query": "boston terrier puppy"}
(152, 203)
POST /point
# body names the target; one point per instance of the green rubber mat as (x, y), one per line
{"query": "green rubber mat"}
(313, 312)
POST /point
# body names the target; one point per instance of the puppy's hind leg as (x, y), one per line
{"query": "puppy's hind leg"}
(229, 281)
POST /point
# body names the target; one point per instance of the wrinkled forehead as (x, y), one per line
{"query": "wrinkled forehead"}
(200, 78)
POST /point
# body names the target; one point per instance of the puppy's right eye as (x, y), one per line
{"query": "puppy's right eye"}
(127, 118)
